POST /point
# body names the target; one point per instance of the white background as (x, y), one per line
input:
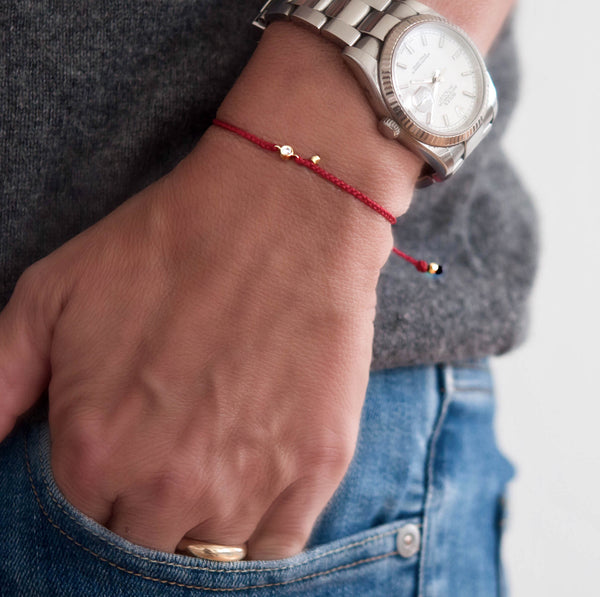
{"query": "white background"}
(549, 390)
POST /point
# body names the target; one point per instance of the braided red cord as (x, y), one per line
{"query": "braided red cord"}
(420, 265)
(348, 188)
(314, 167)
(242, 133)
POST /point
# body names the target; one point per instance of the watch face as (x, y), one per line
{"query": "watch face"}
(438, 80)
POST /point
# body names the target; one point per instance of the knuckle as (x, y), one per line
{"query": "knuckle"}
(332, 453)
(177, 486)
(31, 280)
(39, 291)
(338, 457)
(255, 465)
(165, 485)
(39, 275)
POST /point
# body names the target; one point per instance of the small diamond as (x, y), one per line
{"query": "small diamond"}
(286, 151)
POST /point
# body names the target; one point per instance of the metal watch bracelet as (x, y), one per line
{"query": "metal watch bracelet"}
(345, 22)
(360, 27)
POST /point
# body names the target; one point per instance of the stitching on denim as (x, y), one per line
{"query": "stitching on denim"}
(184, 585)
(446, 392)
(173, 564)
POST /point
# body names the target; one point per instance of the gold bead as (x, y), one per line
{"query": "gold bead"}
(315, 159)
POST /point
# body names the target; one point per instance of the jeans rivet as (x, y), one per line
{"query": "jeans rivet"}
(408, 541)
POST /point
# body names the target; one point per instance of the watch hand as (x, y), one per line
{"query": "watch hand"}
(427, 82)
(436, 78)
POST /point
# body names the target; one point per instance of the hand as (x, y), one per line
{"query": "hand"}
(207, 345)
(208, 349)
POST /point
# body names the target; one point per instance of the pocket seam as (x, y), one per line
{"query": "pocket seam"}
(189, 567)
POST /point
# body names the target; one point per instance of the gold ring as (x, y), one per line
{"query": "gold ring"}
(212, 551)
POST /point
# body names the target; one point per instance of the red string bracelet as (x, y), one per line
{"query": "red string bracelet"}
(286, 152)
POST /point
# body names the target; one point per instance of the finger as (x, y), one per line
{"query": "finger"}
(162, 513)
(231, 525)
(26, 325)
(142, 522)
(160, 525)
(286, 527)
(233, 507)
(79, 465)
(156, 508)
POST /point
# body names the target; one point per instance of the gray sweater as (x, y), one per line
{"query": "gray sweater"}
(101, 97)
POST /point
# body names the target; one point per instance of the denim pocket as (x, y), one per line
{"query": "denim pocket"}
(87, 559)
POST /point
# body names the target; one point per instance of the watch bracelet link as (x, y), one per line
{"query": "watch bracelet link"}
(360, 23)
(364, 24)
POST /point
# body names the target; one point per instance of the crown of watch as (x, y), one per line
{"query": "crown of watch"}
(389, 128)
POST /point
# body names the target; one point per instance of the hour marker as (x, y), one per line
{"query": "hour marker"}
(469, 94)
(446, 120)
(428, 118)
(423, 39)
(401, 65)
(466, 73)
(457, 54)
(408, 49)
(402, 86)
(442, 41)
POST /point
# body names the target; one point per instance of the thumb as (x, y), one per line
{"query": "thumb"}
(26, 325)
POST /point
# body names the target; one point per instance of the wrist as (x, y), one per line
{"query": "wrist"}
(232, 198)
(297, 90)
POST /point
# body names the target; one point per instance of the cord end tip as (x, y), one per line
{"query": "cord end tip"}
(435, 268)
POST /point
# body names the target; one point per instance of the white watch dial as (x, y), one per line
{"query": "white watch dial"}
(438, 79)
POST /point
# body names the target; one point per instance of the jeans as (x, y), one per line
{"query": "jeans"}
(419, 512)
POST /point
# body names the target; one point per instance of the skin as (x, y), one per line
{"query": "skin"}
(206, 346)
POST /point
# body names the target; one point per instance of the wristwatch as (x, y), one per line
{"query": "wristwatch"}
(424, 77)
